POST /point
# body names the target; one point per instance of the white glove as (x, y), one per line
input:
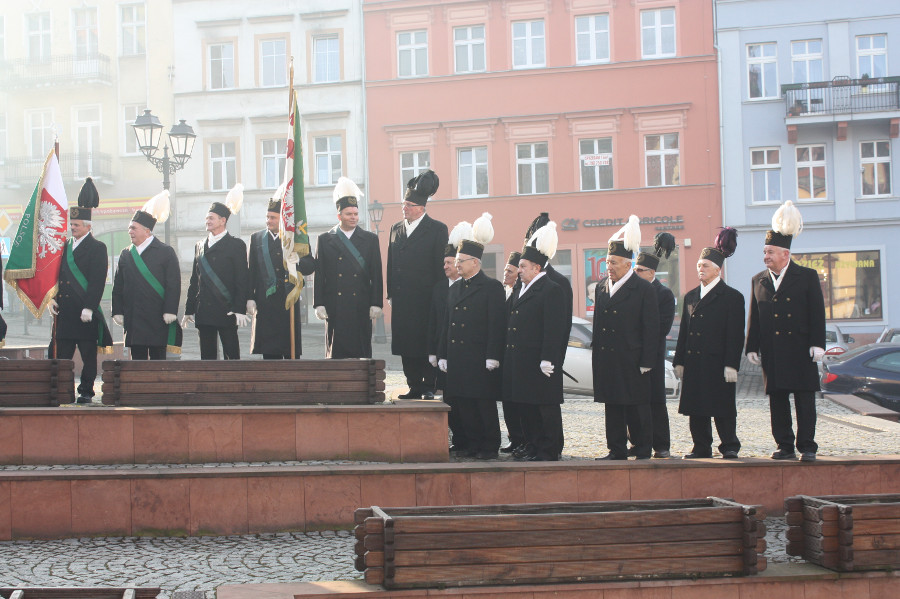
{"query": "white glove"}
(118, 319)
(645, 370)
(86, 315)
(442, 364)
(730, 375)
(816, 353)
(753, 358)
(374, 312)
(251, 307)
(679, 371)
(321, 314)
(491, 364)
(242, 320)
(53, 307)
(186, 320)
(169, 318)
(546, 367)
(432, 360)
(293, 258)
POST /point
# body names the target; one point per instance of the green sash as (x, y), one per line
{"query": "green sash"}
(351, 248)
(267, 264)
(83, 283)
(172, 342)
(218, 285)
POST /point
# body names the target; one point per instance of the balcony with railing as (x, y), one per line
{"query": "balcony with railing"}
(842, 97)
(23, 171)
(55, 71)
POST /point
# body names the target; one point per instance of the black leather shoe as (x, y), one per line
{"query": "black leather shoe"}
(428, 395)
(695, 455)
(730, 455)
(457, 450)
(782, 454)
(486, 455)
(662, 454)
(410, 395)
(537, 458)
(632, 451)
(642, 457)
(523, 451)
(808, 456)
(509, 448)
(83, 399)
(612, 457)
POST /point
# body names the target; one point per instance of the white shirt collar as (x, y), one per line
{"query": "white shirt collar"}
(212, 239)
(704, 289)
(274, 235)
(347, 234)
(528, 286)
(411, 226)
(613, 287)
(451, 281)
(145, 245)
(77, 242)
(776, 282)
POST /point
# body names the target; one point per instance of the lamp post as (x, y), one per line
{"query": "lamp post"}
(376, 213)
(147, 131)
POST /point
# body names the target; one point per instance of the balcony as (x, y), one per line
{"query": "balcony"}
(21, 171)
(55, 70)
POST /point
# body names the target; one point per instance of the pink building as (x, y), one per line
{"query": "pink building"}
(590, 110)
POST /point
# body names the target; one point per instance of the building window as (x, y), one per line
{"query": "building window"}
(84, 25)
(221, 66)
(762, 70)
(851, 283)
(273, 155)
(87, 140)
(806, 65)
(592, 39)
(875, 159)
(223, 164)
(811, 173)
(412, 164)
(871, 56)
(327, 51)
(528, 44)
(412, 53)
(38, 31)
(662, 160)
(39, 132)
(533, 168)
(328, 159)
(273, 63)
(468, 45)
(596, 161)
(130, 113)
(134, 27)
(473, 172)
(658, 33)
(765, 175)
(4, 143)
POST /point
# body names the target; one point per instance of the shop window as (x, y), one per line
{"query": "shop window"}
(851, 283)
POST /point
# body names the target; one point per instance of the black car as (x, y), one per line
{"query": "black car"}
(871, 372)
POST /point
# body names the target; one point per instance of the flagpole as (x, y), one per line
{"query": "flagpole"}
(53, 326)
(294, 305)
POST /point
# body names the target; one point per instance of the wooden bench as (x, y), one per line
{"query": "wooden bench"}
(845, 532)
(558, 542)
(36, 383)
(242, 382)
(79, 592)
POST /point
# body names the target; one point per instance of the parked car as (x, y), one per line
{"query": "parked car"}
(871, 372)
(836, 342)
(889, 335)
(578, 363)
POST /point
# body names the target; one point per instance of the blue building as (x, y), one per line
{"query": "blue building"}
(810, 112)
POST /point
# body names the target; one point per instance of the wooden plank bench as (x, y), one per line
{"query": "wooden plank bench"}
(79, 593)
(242, 382)
(558, 542)
(845, 532)
(36, 383)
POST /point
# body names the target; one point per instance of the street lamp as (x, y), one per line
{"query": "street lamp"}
(147, 131)
(376, 213)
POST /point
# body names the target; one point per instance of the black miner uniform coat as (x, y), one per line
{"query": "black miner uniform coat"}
(666, 301)
(625, 339)
(437, 325)
(272, 325)
(414, 265)
(564, 284)
(228, 259)
(783, 325)
(92, 260)
(138, 302)
(348, 291)
(711, 337)
(534, 332)
(476, 321)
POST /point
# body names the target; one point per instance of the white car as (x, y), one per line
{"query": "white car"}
(580, 379)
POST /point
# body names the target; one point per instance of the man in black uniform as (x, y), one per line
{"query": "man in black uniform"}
(147, 287)
(219, 288)
(82, 278)
(786, 333)
(512, 416)
(414, 265)
(271, 334)
(349, 290)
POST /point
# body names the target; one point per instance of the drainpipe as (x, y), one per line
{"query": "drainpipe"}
(721, 114)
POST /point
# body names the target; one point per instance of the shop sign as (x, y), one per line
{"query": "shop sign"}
(661, 223)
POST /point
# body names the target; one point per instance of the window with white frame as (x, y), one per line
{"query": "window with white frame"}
(592, 39)
(596, 161)
(327, 63)
(412, 53)
(39, 132)
(87, 139)
(4, 141)
(533, 168)
(875, 160)
(528, 44)
(871, 56)
(133, 20)
(222, 165)
(130, 112)
(37, 28)
(328, 159)
(412, 164)
(765, 175)
(221, 66)
(663, 167)
(273, 156)
(807, 66)
(811, 172)
(658, 33)
(762, 70)
(468, 48)
(473, 171)
(84, 26)
(273, 62)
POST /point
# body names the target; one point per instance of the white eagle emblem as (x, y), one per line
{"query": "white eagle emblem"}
(51, 229)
